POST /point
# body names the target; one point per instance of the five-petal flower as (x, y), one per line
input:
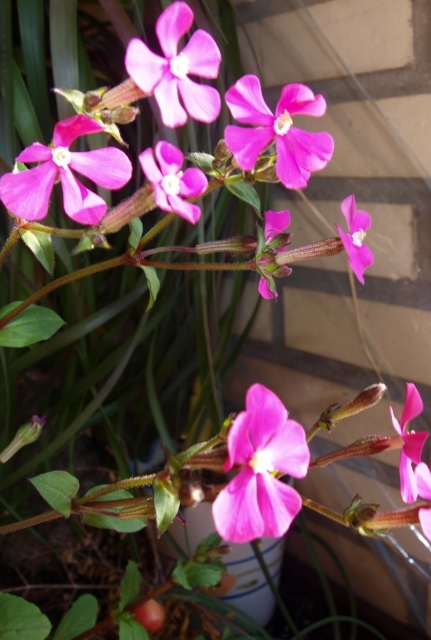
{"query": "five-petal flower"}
(358, 221)
(298, 152)
(276, 223)
(26, 194)
(262, 440)
(413, 442)
(167, 77)
(170, 183)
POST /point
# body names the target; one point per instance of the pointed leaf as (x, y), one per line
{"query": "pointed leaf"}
(32, 325)
(40, 244)
(166, 503)
(153, 283)
(21, 620)
(131, 629)
(136, 229)
(130, 584)
(81, 616)
(204, 161)
(246, 192)
(58, 488)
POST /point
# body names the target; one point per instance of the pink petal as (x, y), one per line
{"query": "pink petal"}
(161, 198)
(348, 207)
(186, 210)
(193, 183)
(289, 450)
(201, 101)
(395, 422)
(360, 259)
(409, 490)
(166, 94)
(110, 168)
(361, 220)
(299, 99)
(238, 499)
(278, 503)
(203, 54)
(247, 144)
(265, 291)
(246, 103)
(143, 66)
(26, 194)
(66, 131)
(276, 222)
(36, 152)
(425, 520)
(423, 479)
(239, 445)
(170, 158)
(149, 166)
(267, 415)
(413, 445)
(291, 174)
(171, 25)
(79, 203)
(413, 405)
(312, 151)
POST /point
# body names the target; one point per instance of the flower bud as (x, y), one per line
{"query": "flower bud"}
(237, 244)
(221, 154)
(365, 400)
(25, 435)
(137, 205)
(120, 115)
(92, 99)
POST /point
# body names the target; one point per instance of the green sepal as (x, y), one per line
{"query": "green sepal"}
(58, 488)
(34, 324)
(81, 616)
(40, 244)
(130, 584)
(246, 192)
(204, 161)
(166, 503)
(21, 620)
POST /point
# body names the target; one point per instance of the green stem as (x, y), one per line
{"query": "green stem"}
(154, 231)
(70, 277)
(152, 252)
(8, 245)
(202, 266)
(30, 522)
(53, 231)
(127, 483)
(324, 511)
(314, 429)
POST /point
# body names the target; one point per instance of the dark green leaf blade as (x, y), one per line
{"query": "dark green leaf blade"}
(58, 488)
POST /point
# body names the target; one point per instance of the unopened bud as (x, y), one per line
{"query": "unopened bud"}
(120, 115)
(365, 400)
(357, 514)
(92, 99)
(237, 244)
(221, 154)
(25, 435)
(191, 494)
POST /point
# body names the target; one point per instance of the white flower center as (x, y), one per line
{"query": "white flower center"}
(283, 124)
(171, 183)
(358, 237)
(61, 156)
(180, 66)
(261, 461)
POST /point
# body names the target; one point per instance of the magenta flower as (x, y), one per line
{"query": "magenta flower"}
(170, 183)
(275, 223)
(298, 152)
(263, 440)
(26, 194)
(423, 479)
(168, 76)
(360, 256)
(413, 442)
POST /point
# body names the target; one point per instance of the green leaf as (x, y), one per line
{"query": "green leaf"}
(81, 616)
(130, 584)
(153, 283)
(131, 629)
(58, 488)
(32, 325)
(193, 574)
(136, 229)
(21, 620)
(246, 192)
(204, 161)
(101, 521)
(166, 503)
(40, 244)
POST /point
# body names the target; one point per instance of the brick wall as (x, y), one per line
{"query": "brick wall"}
(371, 59)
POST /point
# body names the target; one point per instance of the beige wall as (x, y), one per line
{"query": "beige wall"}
(372, 61)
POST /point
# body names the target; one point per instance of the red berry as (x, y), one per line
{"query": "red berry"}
(150, 614)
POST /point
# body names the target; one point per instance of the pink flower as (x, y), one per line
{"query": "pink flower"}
(26, 194)
(413, 442)
(262, 439)
(275, 223)
(168, 76)
(423, 479)
(170, 183)
(298, 152)
(360, 256)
